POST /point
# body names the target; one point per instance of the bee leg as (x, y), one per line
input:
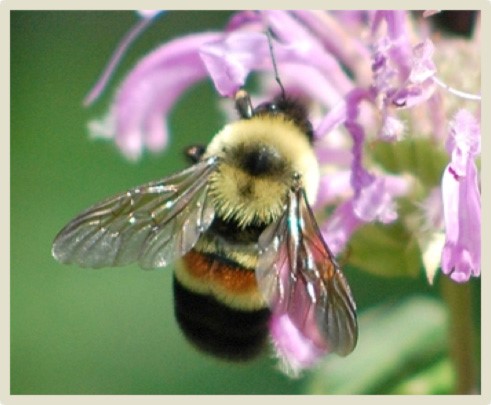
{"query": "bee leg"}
(195, 152)
(243, 104)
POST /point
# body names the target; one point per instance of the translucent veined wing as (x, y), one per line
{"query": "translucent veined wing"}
(152, 224)
(299, 276)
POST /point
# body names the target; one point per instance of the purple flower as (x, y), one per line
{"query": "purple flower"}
(118, 54)
(403, 78)
(341, 225)
(461, 256)
(367, 76)
(138, 117)
(295, 350)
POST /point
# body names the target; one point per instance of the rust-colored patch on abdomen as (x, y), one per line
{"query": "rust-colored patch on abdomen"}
(209, 269)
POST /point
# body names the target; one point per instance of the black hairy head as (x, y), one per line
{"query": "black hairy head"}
(292, 108)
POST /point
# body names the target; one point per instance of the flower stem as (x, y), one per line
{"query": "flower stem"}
(461, 335)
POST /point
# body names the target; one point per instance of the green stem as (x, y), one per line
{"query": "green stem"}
(462, 335)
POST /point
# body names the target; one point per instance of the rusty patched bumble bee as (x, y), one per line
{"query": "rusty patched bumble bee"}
(239, 219)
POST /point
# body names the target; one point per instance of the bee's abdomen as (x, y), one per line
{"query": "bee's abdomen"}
(218, 329)
(217, 302)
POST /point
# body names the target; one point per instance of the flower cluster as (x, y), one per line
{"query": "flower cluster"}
(384, 119)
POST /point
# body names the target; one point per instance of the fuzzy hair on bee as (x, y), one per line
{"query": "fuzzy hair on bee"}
(239, 227)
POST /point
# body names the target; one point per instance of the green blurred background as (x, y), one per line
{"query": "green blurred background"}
(79, 331)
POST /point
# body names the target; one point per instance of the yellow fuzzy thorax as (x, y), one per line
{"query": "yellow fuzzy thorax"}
(266, 196)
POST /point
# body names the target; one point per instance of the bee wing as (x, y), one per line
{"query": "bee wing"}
(299, 276)
(151, 224)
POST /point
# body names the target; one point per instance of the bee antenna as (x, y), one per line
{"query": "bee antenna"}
(269, 34)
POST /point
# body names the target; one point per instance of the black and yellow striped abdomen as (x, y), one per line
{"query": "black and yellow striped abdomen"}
(217, 302)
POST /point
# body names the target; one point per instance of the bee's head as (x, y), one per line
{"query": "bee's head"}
(293, 109)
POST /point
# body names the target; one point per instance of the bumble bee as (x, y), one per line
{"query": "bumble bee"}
(239, 219)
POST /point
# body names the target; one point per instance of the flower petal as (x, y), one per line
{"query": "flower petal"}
(423, 66)
(294, 350)
(333, 119)
(339, 40)
(307, 48)
(118, 54)
(230, 59)
(392, 128)
(461, 256)
(150, 90)
(243, 19)
(375, 203)
(464, 141)
(337, 230)
(332, 187)
(400, 50)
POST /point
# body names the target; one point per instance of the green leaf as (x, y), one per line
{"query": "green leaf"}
(395, 343)
(419, 157)
(386, 250)
(437, 379)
